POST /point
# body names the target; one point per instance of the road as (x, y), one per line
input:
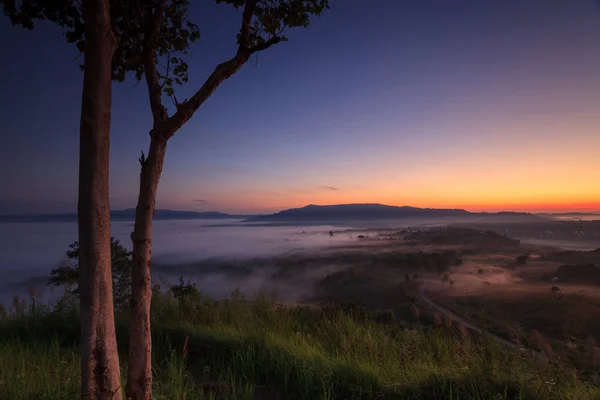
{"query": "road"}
(473, 327)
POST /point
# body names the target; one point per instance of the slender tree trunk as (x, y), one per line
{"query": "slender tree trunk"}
(139, 380)
(100, 374)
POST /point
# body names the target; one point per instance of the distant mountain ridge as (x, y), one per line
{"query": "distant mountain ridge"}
(369, 211)
(309, 214)
(569, 214)
(123, 215)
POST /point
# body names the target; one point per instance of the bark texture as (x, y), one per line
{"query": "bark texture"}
(100, 374)
(139, 381)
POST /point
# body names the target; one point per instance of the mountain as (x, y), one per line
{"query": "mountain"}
(505, 214)
(356, 212)
(345, 212)
(129, 214)
(122, 215)
(569, 214)
(310, 213)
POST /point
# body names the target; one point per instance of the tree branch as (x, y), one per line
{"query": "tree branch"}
(244, 42)
(223, 71)
(266, 45)
(167, 71)
(186, 109)
(155, 19)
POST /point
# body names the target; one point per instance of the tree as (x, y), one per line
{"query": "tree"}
(165, 32)
(522, 259)
(136, 36)
(445, 278)
(120, 259)
(88, 24)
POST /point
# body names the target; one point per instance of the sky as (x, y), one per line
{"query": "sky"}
(477, 104)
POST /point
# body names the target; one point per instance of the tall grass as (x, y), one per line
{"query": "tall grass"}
(240, 349)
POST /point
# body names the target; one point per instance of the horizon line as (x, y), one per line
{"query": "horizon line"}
(473, 209)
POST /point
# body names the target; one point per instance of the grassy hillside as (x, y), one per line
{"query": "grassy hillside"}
(239, 349)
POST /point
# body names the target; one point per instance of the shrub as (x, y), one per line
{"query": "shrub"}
(522, 259)
(68, 276)
(457, 262)
(384, 316)
(183, 289)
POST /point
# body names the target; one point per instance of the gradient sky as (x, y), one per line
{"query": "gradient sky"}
(478, 104)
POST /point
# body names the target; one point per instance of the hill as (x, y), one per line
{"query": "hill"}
(578, 273)
(122, 215)
(240, 349)
(344, 212)
(571, 214)
(310, 213)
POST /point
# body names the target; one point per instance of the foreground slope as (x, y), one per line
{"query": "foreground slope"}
(236, 349)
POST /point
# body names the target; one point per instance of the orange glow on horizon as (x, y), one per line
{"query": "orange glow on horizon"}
(552, 174)
(248, 203)
(474, 202)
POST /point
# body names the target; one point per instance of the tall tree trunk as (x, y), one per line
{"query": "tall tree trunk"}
(139, 380)
(100, 374)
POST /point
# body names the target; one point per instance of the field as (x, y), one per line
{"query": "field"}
(351, 322)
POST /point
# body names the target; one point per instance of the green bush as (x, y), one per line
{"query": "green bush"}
(68, 277)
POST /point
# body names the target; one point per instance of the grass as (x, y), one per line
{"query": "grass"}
(238, 349)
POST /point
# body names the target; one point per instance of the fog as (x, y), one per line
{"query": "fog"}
(29, 251)
(194, 249)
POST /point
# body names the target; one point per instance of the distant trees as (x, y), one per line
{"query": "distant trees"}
(68, 277)
(522, 259)
(458, 262)
(436, 262)
(120, 260)
(445, 278)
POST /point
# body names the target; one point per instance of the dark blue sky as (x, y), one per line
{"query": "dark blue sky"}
(483, 104)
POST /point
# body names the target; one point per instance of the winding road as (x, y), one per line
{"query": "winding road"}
(475, 328)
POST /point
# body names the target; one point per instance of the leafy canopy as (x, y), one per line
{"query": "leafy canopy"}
(120, 267)
(68, 277)
(135, 26)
